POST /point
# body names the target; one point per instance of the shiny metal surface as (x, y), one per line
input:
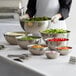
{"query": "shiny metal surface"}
(52, 55)
(52, 45)
(59, 35)
(37, 51)
(35, 26)
(11, 39)
(24, 43)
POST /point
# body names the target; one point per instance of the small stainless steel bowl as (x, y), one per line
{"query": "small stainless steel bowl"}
(37, 51)
(64, 51)
(52, 54)
(11, 37)
(24, 43)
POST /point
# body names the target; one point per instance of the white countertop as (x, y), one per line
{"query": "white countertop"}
(40, 64)
(49, 67)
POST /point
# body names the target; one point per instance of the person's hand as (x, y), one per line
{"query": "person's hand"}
(55, 18)
(26, 16)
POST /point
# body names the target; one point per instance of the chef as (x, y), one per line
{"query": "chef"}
(58, 10)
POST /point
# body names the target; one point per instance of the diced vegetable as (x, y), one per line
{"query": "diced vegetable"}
(29, 38)
(58, 39)
(51, 31)
(38, 46)
(37, 19)
(64, 48)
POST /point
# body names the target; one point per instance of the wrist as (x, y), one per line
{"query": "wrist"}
(27, 15)
(59, 15)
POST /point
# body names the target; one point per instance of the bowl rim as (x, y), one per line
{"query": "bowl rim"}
(19, 38)
(10, 33)
(30, 46)
(69, 47)
(55, 41)
(55, 33)
(36, 20)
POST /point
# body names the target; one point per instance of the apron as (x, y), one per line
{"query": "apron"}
(50, 8)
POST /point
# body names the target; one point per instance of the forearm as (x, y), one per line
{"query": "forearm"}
(64, 8)
(31, 8)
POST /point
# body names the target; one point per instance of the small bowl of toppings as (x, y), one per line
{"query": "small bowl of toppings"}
(37, 49)
(55, 33)
(52, 54)
(24, 41)
(11, 37)
(35, 24)
(64, 50)
(52, 43)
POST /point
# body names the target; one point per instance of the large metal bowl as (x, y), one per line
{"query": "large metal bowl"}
(55, 35)
(11, 37)
(24, 43)
(35, 26)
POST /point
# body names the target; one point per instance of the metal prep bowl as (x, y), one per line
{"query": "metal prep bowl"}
(37, 51)
(53, 44)
(64, 52)
(52, 55)
(35, 26)
(55, 35)
(24, 43)
(11, 37)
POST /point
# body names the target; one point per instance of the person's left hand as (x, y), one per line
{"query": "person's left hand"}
(55, 18)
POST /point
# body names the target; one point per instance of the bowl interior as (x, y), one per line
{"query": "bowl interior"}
(54, 31)
(64, 48)
(26, 38)
(37, 46)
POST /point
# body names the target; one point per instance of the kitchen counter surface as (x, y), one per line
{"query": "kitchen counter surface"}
(48, 67)
(39, 64)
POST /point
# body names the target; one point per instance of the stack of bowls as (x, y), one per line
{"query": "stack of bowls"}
(53, 43)
(55, 38)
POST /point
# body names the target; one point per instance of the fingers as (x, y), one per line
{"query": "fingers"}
(26, 16)
(56, 18)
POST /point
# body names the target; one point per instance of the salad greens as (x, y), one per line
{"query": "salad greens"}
(37, 19)
(29, 38)
(51, 31)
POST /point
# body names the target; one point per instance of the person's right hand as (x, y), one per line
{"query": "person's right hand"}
(26, 16)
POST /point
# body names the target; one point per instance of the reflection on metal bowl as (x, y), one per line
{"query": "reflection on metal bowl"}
(52, 54)
(64, 50)
(24, 43)
(37, 50)
(55, 35)
(35, 26)
(52, 43)
(11, 37)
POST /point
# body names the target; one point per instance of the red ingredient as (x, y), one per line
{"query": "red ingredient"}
(64, 48)
(58, 39)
